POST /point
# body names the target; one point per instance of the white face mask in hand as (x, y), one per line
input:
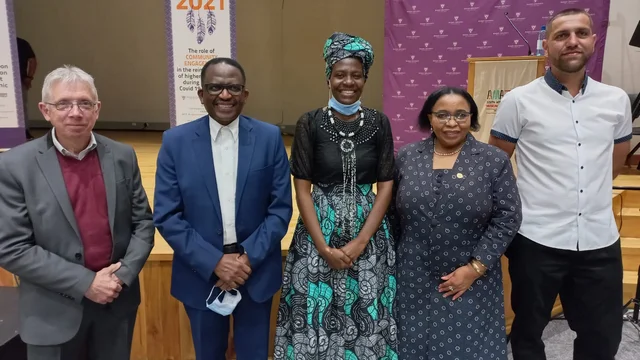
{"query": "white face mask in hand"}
(229, 302)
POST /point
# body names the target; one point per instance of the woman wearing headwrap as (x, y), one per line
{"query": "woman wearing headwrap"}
(339, 280)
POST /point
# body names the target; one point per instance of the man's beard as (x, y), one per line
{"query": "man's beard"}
(571, 66)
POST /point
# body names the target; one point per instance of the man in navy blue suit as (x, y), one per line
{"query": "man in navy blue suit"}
(223, 203)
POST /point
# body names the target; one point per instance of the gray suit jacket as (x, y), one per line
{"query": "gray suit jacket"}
(40, 241)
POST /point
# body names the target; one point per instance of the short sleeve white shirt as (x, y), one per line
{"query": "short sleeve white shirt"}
(564, 157)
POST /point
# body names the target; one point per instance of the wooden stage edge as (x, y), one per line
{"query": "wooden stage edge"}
(162, 328)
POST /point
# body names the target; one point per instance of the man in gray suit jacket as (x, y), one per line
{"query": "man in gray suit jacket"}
(75, 227)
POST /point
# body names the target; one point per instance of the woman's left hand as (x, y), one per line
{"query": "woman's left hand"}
(458, 281)
(354, 248)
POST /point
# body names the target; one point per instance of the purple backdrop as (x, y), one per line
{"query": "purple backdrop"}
(427, 44)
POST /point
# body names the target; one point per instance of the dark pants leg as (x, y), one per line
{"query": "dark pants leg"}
(592, 301)
(111, 334)
(251, 328)
(210, 333)
(537, 273)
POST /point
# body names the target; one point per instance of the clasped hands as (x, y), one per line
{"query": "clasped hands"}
(105, 286)
(232, 271)
(458, 282)
(343, 258)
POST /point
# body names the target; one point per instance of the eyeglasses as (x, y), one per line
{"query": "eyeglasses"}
(444, 117)
(217, 89)
(83, 105)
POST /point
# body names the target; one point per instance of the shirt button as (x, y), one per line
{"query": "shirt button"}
(580, 190)
(581, 167)
(579, 214)
(579, 144)
(576, 121)
(573, 101)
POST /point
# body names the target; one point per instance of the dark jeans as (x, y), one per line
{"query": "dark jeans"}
(590, 288)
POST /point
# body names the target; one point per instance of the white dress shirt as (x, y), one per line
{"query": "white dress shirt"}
(224, 144)
(92, 145)
(564, 151)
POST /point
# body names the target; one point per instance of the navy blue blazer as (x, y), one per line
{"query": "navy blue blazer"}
(187, 208)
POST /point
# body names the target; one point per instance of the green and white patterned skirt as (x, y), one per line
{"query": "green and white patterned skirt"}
(338, 314)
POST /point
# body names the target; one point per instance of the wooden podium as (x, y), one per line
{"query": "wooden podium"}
(489, 79)
(492, 77)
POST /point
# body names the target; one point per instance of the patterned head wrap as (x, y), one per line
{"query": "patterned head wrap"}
(341, 46)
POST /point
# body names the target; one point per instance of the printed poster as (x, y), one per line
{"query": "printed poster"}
(493, 79)
(197, 31)
(11, 113)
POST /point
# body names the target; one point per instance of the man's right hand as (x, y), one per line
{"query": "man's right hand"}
(105, 286)
(231, 271)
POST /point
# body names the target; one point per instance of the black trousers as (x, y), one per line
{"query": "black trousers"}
(590, 287)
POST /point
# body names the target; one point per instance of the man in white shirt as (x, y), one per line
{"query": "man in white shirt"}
(223, 203)
(572, 135)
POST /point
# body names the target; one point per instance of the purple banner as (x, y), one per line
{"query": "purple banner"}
(12, 137)
(427, 44)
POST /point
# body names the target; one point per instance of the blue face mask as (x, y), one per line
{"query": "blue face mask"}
(344, 109)
(228, 303)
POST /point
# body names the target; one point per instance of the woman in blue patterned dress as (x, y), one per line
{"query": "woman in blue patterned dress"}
(339, 280)
(457, 209)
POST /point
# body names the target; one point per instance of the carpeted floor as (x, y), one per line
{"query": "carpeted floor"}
(558, 339)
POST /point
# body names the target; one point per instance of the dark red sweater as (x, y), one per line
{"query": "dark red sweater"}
(85, 186)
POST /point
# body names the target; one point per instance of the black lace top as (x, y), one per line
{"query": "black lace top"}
(316, 154)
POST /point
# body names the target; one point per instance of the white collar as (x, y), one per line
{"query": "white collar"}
(92, 145)
(216, 127)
